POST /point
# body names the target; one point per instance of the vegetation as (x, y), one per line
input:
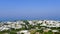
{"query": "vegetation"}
(31, 28)
(22, 33)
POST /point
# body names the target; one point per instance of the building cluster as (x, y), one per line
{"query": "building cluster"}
(18, 24)
(47, 23)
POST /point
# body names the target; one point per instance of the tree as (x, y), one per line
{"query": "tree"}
(22, 33)
(41, 31)
(38, 25)
(26, 22)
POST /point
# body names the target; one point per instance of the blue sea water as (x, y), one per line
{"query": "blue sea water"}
(28, 18)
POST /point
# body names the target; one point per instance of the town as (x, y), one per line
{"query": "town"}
(30, 27)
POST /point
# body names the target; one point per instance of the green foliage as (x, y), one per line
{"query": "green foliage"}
(30, 27)
(26, 22)
(48, 33)
(53, 28)
(38, 25)
(22, 33)
(13, 33)
(58, 28)
(38, 30)
(41, 31)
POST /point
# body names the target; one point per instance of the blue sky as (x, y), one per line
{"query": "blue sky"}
(29, 9)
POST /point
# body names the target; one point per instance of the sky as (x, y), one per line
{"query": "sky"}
(30, 9)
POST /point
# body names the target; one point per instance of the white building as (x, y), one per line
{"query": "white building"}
(30, 22)
(40, 21)
(24, 32)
